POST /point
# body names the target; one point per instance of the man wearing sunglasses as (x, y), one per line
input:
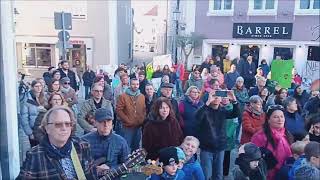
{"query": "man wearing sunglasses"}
(59, 155)
(91, 105)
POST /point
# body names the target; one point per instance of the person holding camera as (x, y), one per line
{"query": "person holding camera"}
(211, 132)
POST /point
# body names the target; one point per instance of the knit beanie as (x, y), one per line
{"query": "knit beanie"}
(168, 156)
(181, 155)
(251, 152)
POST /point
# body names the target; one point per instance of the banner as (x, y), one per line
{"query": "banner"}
(281, 71)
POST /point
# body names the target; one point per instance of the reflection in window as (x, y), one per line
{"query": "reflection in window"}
(227, 4)
(316, 4)
(257, 4)
(304, 4)
(269, 4)
(284, 53)
(37, 54)
(217, 5)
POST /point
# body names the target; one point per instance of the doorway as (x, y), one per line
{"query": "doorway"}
(77, 58)
(250, 50)
(219, 50)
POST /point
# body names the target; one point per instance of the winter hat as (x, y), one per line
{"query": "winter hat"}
(181, 155)
(103, 114)
(168, 156)
(65, 79)
(312, 149)
(167, 85)
(251, 152)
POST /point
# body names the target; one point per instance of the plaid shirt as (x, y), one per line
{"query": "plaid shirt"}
(38, 165)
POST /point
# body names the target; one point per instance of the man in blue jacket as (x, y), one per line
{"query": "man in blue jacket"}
(106, 146)
(211, 132)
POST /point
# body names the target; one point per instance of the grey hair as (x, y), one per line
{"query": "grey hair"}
(240, 79)
(255, 99)
(288, 100)
(190, 89)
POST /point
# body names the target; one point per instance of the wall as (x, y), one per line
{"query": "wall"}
(220, 27)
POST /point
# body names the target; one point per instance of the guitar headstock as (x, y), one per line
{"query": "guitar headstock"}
(136, 157)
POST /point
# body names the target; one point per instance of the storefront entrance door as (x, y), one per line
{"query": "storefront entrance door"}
(250, 50)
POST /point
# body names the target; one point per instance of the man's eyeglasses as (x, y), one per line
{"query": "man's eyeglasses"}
(98, 91)
(275, 107)
(61, 124)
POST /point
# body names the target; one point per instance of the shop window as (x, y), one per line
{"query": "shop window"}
(219, 50)
(37, 55)
(314, 53)
(220, 8)
(283, 53)
(263, 7)
(307, 7)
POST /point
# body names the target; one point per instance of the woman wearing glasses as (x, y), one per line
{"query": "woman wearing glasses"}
(34, 103)
(55, 99)
(275, 138)
(59, 155)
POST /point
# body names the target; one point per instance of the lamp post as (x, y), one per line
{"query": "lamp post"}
(176, 17)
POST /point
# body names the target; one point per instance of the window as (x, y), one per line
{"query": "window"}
(262, 7)
(220, 8)
(307, 7)
(283, 53)
(314, 53)
(37, 55)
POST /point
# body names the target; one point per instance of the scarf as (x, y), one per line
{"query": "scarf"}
(255, 112)
(65, 90)
(54, 152)
(313, 137)
(282, 150)
(131, 93)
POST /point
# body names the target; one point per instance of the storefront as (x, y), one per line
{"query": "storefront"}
(35, 54)
(262, 41)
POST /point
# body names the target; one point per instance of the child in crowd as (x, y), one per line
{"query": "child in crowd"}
(170, 159)
(310, 170)
(291, 164)
(192, 168)
(249, 164)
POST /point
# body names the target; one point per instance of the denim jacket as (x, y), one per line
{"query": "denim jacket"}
(113, 147)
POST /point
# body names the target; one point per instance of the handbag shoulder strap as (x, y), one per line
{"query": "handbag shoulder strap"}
(77, 164)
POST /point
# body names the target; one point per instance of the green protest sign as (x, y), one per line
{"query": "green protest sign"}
(281, 71)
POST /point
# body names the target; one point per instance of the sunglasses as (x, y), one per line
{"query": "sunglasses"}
(61, 124)
(275, 107)
(66, 83)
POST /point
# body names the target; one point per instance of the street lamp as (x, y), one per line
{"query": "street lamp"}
(176, 18)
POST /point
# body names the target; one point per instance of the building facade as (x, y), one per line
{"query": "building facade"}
(265, 29)
(94, 38)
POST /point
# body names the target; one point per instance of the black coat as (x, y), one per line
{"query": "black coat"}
(71, 76)
(248, 70)
(211, 127)
(88, 78)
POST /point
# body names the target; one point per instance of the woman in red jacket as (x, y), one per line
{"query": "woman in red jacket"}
(162, 128)
(253, 118)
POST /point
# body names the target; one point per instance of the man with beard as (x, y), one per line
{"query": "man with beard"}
(131, 109)
(66, 72)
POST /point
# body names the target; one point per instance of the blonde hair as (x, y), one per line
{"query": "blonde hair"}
(50, 112)
(190, 89)
(191, 138)
(298, 147)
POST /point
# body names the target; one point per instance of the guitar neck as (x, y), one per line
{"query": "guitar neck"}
(113, 173)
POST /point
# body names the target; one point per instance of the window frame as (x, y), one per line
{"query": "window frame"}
(298, 11)
(263, 11)
(221, 12)
(35, 47)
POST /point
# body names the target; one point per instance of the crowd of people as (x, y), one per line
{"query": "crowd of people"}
(187, 123)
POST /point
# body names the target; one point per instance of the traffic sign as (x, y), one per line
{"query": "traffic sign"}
(62, 20)
(64, 36)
